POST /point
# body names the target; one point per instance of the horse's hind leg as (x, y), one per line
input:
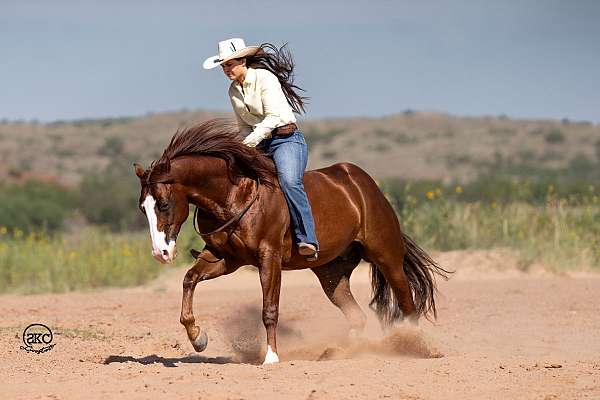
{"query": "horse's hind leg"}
(335, 281)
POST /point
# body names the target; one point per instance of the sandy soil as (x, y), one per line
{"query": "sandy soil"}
(500, 334)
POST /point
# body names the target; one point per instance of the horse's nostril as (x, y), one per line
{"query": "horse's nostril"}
(165, 253)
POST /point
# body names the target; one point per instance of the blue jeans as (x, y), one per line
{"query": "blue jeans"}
(290, 154)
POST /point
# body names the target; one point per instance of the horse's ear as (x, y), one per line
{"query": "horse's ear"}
(139, 170)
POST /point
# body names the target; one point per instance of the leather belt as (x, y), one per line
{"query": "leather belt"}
(284, 130)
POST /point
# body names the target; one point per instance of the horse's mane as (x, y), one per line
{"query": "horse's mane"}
(217, 137)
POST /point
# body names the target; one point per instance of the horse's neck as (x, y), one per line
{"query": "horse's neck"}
(211, 189)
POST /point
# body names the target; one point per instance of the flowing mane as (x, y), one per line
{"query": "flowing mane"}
(217, 137)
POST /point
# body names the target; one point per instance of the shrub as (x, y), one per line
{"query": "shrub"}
(111, 198)
(329, 154)
(403, 138)
(555, 136)
(35, 206)
(380, 147)
(113, 146)
(317, 137)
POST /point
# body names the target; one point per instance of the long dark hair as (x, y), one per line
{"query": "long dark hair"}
(279, 61)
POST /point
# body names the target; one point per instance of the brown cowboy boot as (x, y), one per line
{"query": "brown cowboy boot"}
(308, 250)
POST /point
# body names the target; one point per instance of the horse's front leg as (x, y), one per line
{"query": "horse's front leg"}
(270, 281)
(206, 267)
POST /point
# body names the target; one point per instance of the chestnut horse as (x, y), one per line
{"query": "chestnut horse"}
(236, 192)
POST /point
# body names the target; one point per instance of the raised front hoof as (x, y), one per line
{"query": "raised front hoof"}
(200, 342)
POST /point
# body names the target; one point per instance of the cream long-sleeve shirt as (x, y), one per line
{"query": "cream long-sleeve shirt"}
(259, 105)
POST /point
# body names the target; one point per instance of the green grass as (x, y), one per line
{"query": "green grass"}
(558, 226)
(36, 263)
(81, 334)
(563, 233)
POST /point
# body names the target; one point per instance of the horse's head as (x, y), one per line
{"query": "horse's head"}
(164, 197)
(165, 205)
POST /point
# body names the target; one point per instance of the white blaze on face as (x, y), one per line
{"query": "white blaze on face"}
(161, 250)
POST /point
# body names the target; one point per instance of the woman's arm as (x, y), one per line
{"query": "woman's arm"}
(274, 101)
(244, 128)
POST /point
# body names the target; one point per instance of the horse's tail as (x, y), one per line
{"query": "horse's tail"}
(419, 269)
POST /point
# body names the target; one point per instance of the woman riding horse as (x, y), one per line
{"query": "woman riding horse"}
(242, 214)
(264, 100)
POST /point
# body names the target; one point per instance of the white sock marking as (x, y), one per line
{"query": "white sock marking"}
(271, 356)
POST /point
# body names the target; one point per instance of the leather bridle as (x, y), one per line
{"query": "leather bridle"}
(232, 221)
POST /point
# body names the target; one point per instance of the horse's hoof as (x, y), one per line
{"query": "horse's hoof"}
(200, 342)
(271, 357)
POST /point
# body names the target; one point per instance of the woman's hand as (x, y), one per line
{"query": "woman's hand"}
(252, 140)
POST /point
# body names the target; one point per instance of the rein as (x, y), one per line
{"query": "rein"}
(231, 221)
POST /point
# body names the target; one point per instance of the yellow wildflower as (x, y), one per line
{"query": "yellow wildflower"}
(430, 195)
(458, 190)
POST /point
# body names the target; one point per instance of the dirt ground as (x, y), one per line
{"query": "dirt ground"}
(500, 334)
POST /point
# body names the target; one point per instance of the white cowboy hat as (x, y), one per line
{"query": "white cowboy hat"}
(230, 49)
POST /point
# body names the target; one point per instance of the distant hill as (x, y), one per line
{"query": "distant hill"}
(418, 145)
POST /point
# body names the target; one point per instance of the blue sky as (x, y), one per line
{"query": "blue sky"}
(82, 59)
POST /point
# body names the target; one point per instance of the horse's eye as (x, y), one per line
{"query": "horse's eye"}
(163, 206)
